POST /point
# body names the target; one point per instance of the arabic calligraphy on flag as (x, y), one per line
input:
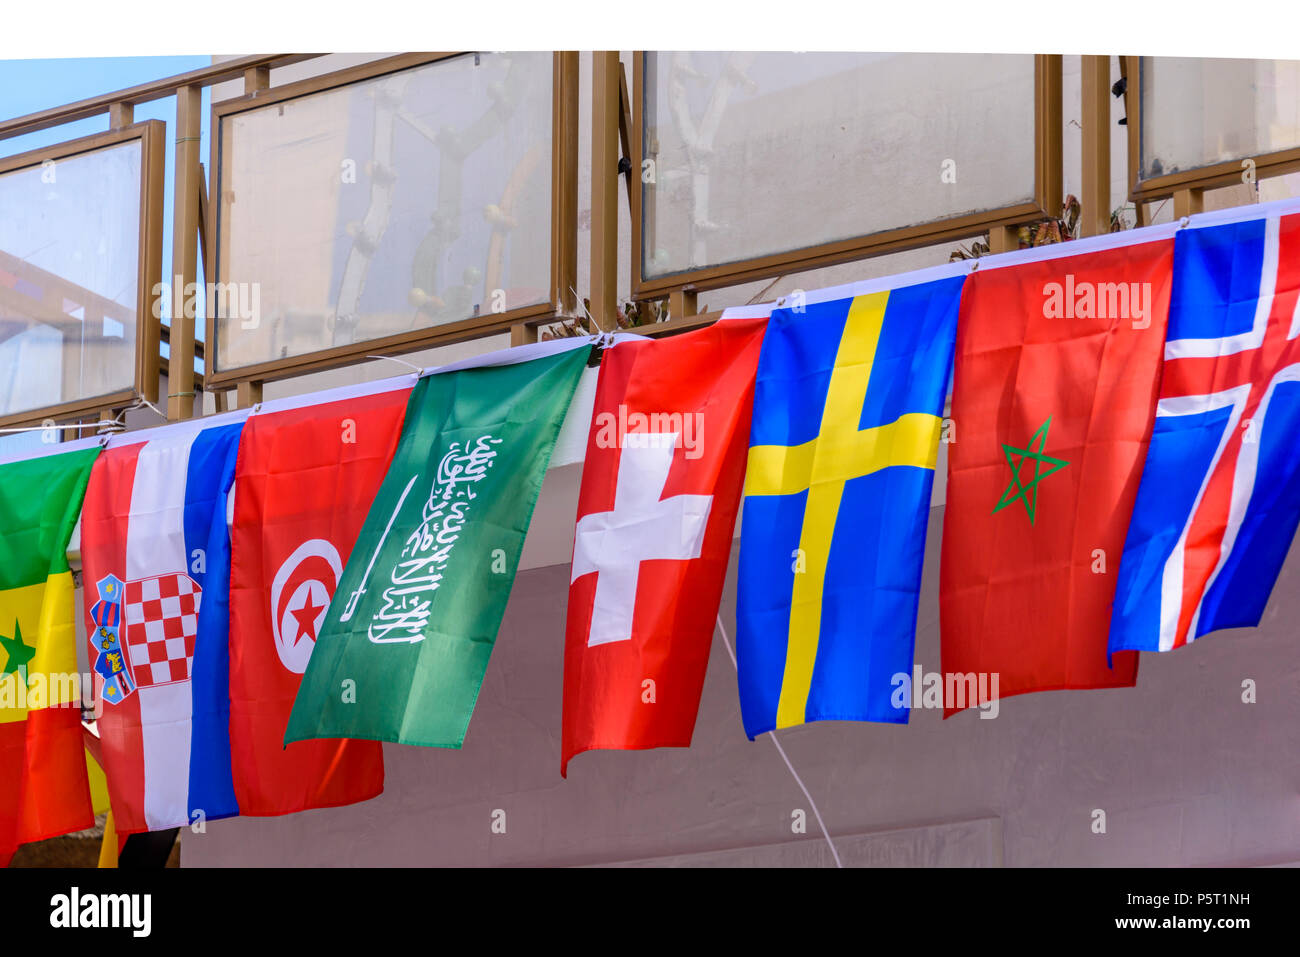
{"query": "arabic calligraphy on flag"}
(408, 599)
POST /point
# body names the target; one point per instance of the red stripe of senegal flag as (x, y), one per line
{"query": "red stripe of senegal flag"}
(1054, 396)
(43, 785)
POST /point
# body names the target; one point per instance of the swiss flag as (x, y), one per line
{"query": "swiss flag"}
(303, 485)
(660, 488)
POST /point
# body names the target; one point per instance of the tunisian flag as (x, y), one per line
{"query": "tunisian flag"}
(1054, 391)
(303, 485)
(660, 488)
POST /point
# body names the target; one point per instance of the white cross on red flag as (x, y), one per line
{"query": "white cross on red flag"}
(656, 512)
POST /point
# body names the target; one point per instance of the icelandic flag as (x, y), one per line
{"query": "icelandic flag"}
(152, 512)
(1220, 494)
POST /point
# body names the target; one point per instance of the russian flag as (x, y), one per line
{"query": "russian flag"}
(153, 511)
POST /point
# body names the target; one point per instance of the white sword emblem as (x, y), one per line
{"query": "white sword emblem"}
(351, 607)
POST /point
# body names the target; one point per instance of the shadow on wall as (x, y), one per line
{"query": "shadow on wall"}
(1184, 771)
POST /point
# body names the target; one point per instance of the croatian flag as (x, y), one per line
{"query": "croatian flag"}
(152, 509)
(1220, 494)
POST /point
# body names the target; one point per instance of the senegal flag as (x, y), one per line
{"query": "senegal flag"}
(43, 785)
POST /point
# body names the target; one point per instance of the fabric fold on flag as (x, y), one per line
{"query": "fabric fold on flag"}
(846, 426)
(44, 788)
(1219, 500)
(656, 512)
(423, 594)
(1054, 387)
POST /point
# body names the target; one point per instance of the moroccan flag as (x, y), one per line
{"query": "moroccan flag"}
(151, 506)
(303, 485)
(656, 512)
(845, 436)
(402, 652)
(1054, 393)
(1220, 495)
(43, 785)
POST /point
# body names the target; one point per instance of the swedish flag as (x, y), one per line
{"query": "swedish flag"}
(846, 426)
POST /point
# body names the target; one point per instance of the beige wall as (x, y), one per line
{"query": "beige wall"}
(1186, 773)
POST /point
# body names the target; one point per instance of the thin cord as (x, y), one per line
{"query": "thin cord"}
(780, 750)
(113, 425)
(763, 292)
(44, 428)
(591, 322)
(410, 365)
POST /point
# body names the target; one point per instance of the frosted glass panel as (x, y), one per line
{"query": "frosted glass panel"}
(389, 205)
(1198, 112)
(69, 278)
(762, 153)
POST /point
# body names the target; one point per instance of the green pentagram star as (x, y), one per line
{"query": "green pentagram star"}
(19, 652)
(1044, 465)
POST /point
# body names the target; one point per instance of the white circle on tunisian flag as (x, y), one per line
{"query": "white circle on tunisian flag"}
(300, 595)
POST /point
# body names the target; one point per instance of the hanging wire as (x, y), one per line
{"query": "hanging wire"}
(419, 371)
(118, 422)
(44, 428)
(757, 297)
(784, 757)
(591, 322)
(103, 426)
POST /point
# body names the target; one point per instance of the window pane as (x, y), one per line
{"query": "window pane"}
(69, 278)
(1198, 112)
(393, 204)
(850, 143)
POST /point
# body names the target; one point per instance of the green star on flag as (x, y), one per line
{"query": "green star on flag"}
(1044, 465)
(19, 652)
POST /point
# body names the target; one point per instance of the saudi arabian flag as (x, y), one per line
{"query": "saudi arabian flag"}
(44, 790)
(406, 640)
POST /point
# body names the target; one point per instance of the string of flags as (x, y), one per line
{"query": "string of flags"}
(268, 594)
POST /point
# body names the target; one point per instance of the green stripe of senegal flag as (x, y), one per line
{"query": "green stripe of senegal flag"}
(406, 640)
(43, 785)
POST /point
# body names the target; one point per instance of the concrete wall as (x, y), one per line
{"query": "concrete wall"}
(1186, 773)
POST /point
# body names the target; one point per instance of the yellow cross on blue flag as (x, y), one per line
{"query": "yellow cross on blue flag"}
(846, 427)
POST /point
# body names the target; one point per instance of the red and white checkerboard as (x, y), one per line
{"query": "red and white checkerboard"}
(162, 620)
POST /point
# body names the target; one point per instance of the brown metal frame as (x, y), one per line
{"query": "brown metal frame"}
(563, 227)
(1048, 186)
(1094, 192)
(1227, 173)
(149, 269)
(146, 92)
(606, 74)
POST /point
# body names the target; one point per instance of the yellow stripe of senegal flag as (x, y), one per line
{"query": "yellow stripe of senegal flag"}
(43, 785)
